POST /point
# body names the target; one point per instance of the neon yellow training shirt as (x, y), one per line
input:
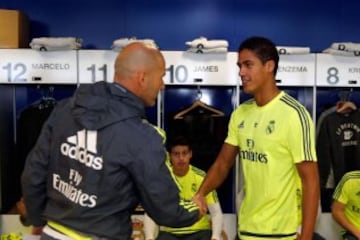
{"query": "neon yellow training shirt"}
(348, 193)
(189, 184)
(271, 140)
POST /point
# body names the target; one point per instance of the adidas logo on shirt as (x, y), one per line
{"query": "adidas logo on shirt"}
(82, 147)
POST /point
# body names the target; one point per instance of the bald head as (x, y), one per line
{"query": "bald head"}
(140, 68)
(134, 58)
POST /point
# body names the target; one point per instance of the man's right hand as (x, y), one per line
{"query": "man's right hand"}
(200, 201)
(36, 230)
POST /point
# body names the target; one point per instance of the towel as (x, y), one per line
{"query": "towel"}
(346, 46)
(341, 52)
(118, 44)
(288, 50)
(55, 43)
(203, 42)
(208, 50)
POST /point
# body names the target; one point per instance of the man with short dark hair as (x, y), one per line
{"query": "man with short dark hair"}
(274, 136)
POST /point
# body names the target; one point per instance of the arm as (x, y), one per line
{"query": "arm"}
(150, 228)
(160, 196)
(158, 190)
(216, 220)
(337, 211)
(37, 230)
(217, 173)
(309, 175)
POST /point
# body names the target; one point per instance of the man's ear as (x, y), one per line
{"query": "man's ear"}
(270, 65)
(140, 78)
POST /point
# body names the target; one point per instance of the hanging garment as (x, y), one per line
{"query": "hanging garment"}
(327, 188)
(338, 145)
(29, 125)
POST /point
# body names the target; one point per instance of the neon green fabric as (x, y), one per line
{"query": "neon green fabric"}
(190, 183)
(348, 193)
(271, 140)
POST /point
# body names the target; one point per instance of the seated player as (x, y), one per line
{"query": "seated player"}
(346, 205)
(189, 179)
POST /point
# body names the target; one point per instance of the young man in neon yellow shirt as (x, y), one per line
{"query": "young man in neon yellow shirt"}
(274, 136)
(346, 204)
(189, 179)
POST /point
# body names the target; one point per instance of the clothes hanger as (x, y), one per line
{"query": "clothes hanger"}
(47, 99)
(200, 106)
(345, 105)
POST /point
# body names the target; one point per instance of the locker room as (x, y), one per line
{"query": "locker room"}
(171, 24)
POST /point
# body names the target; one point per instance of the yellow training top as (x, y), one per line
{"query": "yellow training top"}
(189, 184)
(348, 193)
(271, 140)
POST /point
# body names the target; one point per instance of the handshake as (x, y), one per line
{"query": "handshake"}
(200, 201)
